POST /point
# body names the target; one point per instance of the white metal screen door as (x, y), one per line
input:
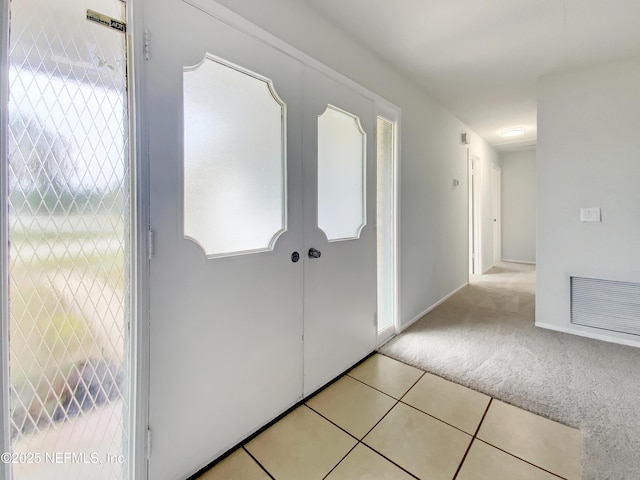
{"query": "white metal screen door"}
(226, 215)
(67, 256)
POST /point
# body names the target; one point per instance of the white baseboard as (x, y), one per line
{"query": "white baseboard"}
(528, 262)
(442, 300)
(589, 334)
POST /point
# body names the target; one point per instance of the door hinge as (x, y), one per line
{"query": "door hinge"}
(375, 319)
(147, 45)
(150, 244)
(148, 443)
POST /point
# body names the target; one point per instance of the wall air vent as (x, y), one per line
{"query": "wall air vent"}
(606, 304)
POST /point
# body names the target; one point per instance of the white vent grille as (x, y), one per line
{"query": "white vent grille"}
(606, 304)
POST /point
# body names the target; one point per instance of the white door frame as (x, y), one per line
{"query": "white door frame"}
(496, 211)
(5, 443)
(474, 214)
(139, 332)
(392, 113)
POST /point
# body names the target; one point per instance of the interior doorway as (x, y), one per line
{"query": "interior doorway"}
(496, 209)
(474, 214)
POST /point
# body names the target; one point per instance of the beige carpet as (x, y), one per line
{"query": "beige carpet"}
(484, 337)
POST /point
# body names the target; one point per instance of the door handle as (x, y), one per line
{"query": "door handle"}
(313, 253)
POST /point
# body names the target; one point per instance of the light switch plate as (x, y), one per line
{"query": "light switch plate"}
(591, 214)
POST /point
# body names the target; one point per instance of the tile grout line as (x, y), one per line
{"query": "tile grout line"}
(394, 405)
(341, 460)
(413, 385)
(521, 459)
(391, 461)
(385, 393)
(397, 401)
(360, 442)
(383, 417)
(331, 422)
(483, 417)
(473, 438)
(380, 453)
(436, 418)
(433, 416)
(259, 464)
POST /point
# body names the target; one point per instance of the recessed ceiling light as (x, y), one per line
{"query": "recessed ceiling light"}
(512, 132)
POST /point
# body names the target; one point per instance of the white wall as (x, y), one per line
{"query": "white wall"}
(433, 245)
(519, 205)
(588, 156)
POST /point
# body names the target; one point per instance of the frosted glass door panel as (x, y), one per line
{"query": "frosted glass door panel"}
(386, 223)
(234, 159)
(341, 163)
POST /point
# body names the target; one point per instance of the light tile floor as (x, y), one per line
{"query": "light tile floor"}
(385, 420)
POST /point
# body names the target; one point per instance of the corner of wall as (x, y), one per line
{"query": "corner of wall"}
(587, 156)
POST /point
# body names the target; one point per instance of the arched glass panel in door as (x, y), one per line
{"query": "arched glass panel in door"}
(341, 175)
(234, 159)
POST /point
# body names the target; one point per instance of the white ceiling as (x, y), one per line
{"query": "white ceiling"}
(481, 58)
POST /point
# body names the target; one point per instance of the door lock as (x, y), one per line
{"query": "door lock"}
(295, 256)
(313, 253)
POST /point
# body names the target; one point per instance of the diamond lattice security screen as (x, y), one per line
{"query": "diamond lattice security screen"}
(69, 237)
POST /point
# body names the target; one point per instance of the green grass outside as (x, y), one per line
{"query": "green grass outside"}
(48, 335)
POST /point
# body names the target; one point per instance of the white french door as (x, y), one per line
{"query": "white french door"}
(340, 208)
(226, 336)
(251, 251)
